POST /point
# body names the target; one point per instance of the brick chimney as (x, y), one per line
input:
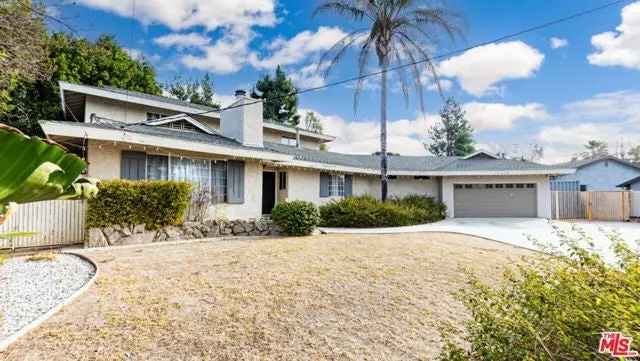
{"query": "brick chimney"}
(243, 120)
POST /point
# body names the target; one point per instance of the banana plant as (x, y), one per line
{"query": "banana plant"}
(34, 169)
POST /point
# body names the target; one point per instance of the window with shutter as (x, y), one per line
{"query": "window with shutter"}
(133, 165)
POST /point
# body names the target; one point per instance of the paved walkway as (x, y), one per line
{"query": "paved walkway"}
(516, 231)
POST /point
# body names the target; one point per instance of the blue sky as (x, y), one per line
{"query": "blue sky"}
(557, 87)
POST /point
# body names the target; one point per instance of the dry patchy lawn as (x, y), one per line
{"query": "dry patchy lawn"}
(325, 297)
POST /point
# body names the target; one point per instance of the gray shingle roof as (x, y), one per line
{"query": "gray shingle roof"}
(199, 137)
(409, 163)
(362, 161)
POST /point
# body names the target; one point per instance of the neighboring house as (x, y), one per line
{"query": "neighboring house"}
(604, 173)
(632, 184)
(249, 165)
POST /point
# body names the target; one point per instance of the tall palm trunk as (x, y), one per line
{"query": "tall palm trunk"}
(383, 129)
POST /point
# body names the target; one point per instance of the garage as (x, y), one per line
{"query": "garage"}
(495, 200)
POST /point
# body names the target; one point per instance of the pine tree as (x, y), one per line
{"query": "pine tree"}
(281, 105)
(195, 91)
(454, 136)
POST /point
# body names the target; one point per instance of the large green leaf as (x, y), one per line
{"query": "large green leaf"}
(33, 169)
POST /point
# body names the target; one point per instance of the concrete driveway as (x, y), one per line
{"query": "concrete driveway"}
(516, 231)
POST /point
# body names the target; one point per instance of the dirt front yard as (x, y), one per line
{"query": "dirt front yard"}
(324, 297)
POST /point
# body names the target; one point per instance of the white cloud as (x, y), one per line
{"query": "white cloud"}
(226, 55)
(479, 70)
(235, 19)
(609, 117)
(620, 47)
(135, 54)
(405, 136)
(498, 116)
(182, 41)
(298, 48)
(184, 14)
(309, 76)
(557, 43)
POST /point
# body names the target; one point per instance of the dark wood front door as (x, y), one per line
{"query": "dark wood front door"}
(268, 192)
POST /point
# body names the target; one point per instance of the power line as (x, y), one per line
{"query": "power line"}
(437, 57)
(47, 16)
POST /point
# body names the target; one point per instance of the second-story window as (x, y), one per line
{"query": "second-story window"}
(289, 141)
(154, 116)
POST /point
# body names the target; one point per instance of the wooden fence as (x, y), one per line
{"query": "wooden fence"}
(635, 204)
(603, 206)
(56, 223)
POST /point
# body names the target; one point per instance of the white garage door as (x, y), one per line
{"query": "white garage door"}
(495, 200)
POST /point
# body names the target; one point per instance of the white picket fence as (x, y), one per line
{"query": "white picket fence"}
(56, 223)
(635, 204)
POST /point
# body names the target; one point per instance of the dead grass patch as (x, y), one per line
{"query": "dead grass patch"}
(40, 257)
(323, 297)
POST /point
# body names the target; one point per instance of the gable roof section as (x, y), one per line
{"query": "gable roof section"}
(585, 162)
(481, 154)
(181, 117)
(629, 182)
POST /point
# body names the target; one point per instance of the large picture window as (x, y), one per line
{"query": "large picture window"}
(204, 174)
(157, 167)
(336, 185)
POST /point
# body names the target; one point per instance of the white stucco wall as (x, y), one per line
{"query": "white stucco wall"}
(243, 123)
(103, 160)
(542, 186)
(399, 187)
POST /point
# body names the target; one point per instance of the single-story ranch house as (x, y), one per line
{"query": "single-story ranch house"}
(249, 164)
(605, 173)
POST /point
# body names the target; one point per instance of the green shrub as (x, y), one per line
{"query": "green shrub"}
(296, 218)
(154, 203)
(366, 211)
(551, 308)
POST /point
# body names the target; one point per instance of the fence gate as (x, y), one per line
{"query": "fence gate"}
(602, 206)
(56, 223)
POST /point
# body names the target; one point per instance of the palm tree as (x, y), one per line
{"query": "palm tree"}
(400, 31)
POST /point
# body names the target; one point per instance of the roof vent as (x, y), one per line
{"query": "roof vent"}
(240, 93)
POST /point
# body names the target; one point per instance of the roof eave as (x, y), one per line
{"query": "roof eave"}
(75, 130)
(105, 93)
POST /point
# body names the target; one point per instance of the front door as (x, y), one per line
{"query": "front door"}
(268, 191)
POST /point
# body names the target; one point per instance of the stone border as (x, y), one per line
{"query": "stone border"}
(4, 344)
(173, 243)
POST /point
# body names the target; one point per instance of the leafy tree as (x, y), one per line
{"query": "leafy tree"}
(98, 63)
(634, 154)
(398, 32)
(194, 91)
(23, 49)
(312, 122)
(281, 106)
(323, 147)
(594, 149)
(454, 136)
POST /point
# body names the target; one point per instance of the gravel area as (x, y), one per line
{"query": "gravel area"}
(31, 288)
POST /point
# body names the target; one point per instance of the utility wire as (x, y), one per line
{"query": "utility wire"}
(437, 57)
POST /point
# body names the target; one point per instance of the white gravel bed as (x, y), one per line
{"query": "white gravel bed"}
(30, 289)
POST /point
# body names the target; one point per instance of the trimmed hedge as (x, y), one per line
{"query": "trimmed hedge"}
(296, 218)
(366, 211)
(154, 203)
